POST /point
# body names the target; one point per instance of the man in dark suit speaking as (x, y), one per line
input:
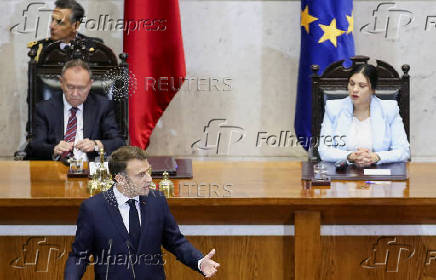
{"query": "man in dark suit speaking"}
(125, 227)
(74, 123)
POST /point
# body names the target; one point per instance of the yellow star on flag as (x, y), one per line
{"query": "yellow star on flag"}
(330, 32)
(306, 19)
(350, 20)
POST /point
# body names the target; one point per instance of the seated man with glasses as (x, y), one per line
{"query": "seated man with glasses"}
(64, 26)
(75, 123)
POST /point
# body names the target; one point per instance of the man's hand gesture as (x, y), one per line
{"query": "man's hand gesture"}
(207, 265)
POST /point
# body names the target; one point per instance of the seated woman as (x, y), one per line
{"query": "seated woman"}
(364, 128)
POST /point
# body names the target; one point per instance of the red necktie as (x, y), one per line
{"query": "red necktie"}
(70, 134)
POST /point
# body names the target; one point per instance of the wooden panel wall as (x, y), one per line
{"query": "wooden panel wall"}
(240, 258)
(248, 258)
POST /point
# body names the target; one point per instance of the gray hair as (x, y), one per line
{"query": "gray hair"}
(76, 63)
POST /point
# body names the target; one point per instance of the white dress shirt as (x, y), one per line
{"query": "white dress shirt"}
(78, 154)
(124, 207)
(360, 135)
(62, 45)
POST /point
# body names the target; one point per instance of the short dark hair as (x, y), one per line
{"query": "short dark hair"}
(76, 63)
(77, 10)
(119, 158)
(369, 71)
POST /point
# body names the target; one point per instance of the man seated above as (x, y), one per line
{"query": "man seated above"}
(76, 122)
(64, 26)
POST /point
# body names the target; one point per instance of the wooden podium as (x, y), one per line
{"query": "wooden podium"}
(262, 194)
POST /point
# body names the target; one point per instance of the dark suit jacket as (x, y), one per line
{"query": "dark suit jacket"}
(98, 124)
(100, 229)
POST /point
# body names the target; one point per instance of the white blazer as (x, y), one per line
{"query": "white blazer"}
(389, 140)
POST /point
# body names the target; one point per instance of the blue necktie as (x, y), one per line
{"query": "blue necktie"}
(134, 226)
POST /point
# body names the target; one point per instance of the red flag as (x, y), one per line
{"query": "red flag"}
(153, 41)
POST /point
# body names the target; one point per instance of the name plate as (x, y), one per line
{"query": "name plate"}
(376, 172)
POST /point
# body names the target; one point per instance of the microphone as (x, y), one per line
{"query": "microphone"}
(341, 165)
(108, 253)
(129, 245)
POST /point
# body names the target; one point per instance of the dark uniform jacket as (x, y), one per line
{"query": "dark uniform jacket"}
(40, 45)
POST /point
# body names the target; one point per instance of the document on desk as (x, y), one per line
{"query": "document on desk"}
(376, 172)
(395, 171)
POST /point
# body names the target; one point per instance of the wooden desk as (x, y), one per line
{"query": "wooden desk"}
(243, 193)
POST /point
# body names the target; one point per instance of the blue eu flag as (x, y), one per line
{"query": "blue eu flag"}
(326, 36)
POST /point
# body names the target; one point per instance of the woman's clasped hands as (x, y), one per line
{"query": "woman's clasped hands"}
(363, 157)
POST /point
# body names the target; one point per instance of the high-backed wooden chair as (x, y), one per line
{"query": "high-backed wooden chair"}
(332, 84)
(110, 79)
